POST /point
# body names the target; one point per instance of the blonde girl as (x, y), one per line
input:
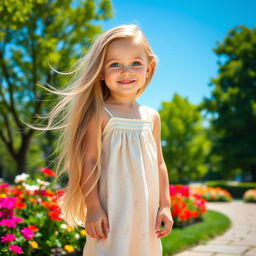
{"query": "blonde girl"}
(118, 186)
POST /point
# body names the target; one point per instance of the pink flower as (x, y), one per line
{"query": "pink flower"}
(15, 248)
(7, 202)
(4, 186)
(27, 233)
(179, 189)
(8, 238)
(10, 223)
(17, 219)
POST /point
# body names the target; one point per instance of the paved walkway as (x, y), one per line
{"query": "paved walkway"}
(240, 239)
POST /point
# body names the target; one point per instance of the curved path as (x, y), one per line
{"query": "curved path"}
(240, 239)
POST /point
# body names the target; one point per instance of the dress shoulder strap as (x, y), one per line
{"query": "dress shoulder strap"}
(108, 111)
(146, 110)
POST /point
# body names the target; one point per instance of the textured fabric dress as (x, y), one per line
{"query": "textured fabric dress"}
(128, 189)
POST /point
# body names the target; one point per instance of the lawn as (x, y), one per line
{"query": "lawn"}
(214, 224)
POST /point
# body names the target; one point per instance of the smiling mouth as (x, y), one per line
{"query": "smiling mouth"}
(126, 81)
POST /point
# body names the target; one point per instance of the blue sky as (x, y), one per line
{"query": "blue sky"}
(182, 33)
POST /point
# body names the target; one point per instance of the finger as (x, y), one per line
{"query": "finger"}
(163, 235)
(105, 225)
(104, 230)
(89, 232)
(88, 229)
(99, 232)
(159, 228)
(164, 232)
(161, 231)
(158, 223)
(166, 228)
(93, 231)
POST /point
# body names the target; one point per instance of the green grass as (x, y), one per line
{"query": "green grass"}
(213, 224)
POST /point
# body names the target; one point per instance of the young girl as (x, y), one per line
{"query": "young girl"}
(118, 186)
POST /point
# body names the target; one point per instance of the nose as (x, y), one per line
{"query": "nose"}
(126, 69)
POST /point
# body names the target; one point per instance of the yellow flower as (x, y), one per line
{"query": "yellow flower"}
(83, 232)
(69, 228)
(69, 248)
(2, 195)
(33, 244)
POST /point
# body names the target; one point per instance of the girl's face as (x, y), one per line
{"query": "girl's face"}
(126, 66)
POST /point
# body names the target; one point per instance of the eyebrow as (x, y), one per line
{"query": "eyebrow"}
(113, 59)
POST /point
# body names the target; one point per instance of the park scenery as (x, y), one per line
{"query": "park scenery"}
(209, 148)
(31, 221)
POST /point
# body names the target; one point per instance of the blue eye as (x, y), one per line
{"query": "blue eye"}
(113, 64)
(137, 62)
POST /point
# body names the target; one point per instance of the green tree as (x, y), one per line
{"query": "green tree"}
(232, 105)
(32, 35)
(184, 140)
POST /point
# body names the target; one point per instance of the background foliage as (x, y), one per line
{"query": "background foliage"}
(33, 36)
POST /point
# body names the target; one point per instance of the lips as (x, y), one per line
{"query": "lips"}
(126, 81)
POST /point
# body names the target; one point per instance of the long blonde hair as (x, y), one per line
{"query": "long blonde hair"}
(83, 97)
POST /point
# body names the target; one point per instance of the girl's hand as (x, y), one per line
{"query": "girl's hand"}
(164, 215)
(96, 224)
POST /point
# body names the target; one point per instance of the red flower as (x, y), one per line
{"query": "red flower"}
(16, 192)
(34, 228)
(60, 192)
(55, 214)
(179, 189)
(20, 205)
(47, 204)
(44, 192)
(49, 193)
(48, 172)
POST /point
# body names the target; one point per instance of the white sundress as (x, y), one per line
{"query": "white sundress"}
(128, 189)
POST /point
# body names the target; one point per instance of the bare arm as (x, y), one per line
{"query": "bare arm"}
(165, 200)
(92, 199)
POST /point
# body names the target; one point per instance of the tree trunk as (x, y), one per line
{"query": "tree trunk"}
(180, 174)
(253, 172)
(21, 158)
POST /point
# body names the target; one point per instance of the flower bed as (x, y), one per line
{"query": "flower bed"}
(31, 221)
(186, 207)
(250, 196)
(212, 194)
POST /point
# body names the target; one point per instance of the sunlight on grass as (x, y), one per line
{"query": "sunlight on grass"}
(214, 223)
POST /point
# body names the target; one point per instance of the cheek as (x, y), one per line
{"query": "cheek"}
(111, 73)
(141, 71)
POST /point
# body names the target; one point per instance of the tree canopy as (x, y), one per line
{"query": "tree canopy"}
(232, 105)
(34, 34)
(184, 140)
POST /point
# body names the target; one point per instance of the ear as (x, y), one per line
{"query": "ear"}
(150, 67)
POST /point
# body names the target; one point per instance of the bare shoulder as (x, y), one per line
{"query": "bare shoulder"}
(92, 122)
(91, 137)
